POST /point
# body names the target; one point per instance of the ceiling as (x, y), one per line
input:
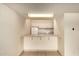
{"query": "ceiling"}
(58, 9)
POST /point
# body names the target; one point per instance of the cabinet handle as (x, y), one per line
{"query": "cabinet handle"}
(73, 29)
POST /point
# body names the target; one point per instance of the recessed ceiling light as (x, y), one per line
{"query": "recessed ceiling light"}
(40, 15)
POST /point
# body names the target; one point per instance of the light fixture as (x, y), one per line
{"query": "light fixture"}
(40, 15)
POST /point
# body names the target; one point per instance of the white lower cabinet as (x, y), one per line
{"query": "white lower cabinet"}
(40, 43)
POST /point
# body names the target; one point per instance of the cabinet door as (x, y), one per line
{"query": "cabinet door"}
(71, 33)
(40, 43)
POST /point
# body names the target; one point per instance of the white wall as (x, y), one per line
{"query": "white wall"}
(60, 24)
(27, 27)
(71, 37)
(11, 31)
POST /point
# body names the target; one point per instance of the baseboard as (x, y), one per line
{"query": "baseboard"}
(20, 53)
(59, 53)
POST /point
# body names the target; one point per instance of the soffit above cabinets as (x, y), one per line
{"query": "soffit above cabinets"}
(40, 16)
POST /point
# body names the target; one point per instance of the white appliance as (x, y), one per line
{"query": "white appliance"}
(34, 30)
